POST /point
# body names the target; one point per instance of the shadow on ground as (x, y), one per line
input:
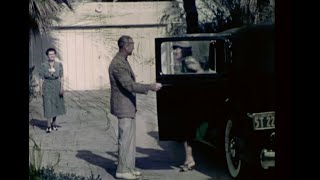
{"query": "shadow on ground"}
(97, 160)
(156, 159)
(205, 157)
(42, 124)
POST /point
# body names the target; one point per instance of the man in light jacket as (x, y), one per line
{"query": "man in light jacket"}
(123, 106)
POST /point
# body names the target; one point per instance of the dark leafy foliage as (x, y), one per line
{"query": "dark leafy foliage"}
(49, 174)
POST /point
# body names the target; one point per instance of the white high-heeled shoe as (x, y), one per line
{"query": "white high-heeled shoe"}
(188, 166)
(136, 172)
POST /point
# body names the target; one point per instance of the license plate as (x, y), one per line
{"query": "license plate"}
(264, 120)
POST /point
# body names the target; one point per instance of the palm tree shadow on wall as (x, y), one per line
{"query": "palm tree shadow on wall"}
(38, 45)
(42, 16)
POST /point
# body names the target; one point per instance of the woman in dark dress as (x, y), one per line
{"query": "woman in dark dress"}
(186, 63)
(51, 86)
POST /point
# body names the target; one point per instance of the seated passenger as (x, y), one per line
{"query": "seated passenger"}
(184, 62)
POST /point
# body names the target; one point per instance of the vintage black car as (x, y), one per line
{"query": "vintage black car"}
(230, 104)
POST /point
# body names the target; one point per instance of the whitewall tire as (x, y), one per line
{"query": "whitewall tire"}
(231, 150)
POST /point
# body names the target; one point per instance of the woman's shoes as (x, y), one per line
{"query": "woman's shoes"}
(48, 130)
(54, 128)
(136, 172)
(188, 166)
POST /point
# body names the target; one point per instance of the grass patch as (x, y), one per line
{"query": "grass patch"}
(38, 172)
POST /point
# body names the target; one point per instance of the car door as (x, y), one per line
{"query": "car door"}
(188, 99)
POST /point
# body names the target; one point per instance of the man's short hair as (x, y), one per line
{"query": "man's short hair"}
(50, 49)
(123, 40)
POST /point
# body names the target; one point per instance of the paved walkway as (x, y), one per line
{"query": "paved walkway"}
(86, 140)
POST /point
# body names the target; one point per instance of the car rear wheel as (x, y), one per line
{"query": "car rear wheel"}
(231, 144)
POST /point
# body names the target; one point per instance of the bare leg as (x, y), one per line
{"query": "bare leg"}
(189, 161)
(188, 150)
(54, 121)
(53, 124)
(49, 121)
(49, 125)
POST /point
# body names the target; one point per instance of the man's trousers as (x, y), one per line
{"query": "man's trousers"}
(127, 145)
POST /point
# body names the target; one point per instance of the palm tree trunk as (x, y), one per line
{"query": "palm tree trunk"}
(191, 16)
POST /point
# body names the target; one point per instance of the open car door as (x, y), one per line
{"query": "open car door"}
(189, 98)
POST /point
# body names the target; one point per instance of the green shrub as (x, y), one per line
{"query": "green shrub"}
(38, 172)
(49, 174)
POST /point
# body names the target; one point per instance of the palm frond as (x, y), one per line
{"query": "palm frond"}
(249, 6)
(42, 13)
(66, 2)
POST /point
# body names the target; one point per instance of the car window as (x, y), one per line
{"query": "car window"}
(186, 57)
